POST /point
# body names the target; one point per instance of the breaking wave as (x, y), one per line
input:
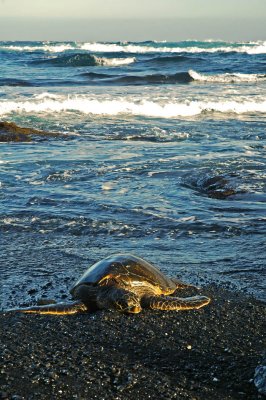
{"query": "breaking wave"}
(258, 47)
(130, 106)
(179, 77)
(52, 48)
(83, 60)
(227, 77)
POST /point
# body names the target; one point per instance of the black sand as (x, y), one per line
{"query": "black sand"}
(201, 355)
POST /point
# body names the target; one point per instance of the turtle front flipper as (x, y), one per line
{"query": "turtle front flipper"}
(54, 309)
(168, 303)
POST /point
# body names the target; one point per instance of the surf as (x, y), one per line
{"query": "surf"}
(129, 106)
(227, 77)
(258, 47)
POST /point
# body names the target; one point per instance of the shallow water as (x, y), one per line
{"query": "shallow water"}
(164, 157)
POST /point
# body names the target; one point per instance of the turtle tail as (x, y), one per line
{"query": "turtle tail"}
(53, 309)
(168, 303)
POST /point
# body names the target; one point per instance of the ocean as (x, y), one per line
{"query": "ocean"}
(162, 155)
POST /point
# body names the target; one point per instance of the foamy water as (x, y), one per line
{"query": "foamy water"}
(125, 106)
(259, 48)
(114, 62)
(227, 77)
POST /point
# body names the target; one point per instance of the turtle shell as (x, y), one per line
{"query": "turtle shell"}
(131, 270)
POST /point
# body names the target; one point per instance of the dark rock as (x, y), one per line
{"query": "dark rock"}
(10, 132)
(214, 186)
(217, 187)
(221, 194)
(260, 377)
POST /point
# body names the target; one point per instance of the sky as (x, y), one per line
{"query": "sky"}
(87, 20)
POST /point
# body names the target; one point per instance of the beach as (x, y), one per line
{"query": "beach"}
(195, 355)
(151, 148)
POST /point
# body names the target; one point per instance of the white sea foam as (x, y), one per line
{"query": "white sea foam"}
(129, 106)
(227, 78)
(258, 48)
(46, 95)
(49, 48)
(113, 62)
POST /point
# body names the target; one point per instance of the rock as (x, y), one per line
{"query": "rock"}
(10, 132)
(217, 187)
(214, 186)
(260, 377)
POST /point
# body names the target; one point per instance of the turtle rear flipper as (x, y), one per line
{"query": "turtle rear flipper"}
(54, 309)
(168, 303)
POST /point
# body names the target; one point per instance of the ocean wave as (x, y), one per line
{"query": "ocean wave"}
(56, 48)
(83, 60)
(165, 59)
(94, 78)
(14, 82)
(227, 77)
(258, 47)
(179, 77)
(114, 62)
(129, 106)
(40, 82)
(97, 76)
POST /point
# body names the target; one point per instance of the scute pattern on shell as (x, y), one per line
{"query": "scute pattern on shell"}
(131, 270)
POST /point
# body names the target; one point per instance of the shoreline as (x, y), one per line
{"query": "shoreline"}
(195, 355)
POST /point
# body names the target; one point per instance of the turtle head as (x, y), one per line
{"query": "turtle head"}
(129, 303)
(116, 298)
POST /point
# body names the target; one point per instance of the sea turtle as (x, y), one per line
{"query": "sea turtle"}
(126, 283)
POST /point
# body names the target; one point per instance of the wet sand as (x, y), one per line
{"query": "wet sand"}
(206, 354)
